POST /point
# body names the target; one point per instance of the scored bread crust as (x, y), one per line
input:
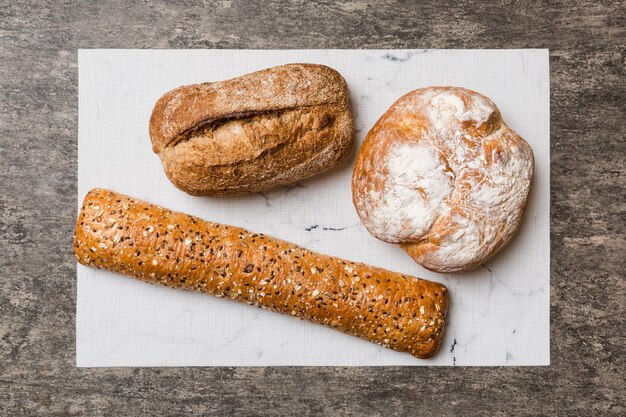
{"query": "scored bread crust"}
(442, 175)
(251, 133)
(160, 246)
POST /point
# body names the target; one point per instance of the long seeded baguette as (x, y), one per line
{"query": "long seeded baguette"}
(153, 244)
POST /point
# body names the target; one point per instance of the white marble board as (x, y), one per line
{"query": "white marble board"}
(499, 313)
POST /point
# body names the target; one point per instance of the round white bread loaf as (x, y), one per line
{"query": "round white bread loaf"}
(441, 174)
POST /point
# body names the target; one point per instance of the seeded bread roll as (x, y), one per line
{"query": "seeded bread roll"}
(160, 246)
(254, 132)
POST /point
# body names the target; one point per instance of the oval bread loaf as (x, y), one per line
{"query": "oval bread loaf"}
(254, 132)
(160, 246)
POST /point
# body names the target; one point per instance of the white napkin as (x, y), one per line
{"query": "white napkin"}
(499, 313)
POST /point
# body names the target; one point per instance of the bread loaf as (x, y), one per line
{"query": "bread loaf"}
(254, 132)
(441, 174)
(160, 246)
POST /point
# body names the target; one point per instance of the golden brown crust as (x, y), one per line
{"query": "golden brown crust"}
(442, 175)
(254, 132)
(156, 245)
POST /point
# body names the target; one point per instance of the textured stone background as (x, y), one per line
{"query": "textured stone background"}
(38, 125)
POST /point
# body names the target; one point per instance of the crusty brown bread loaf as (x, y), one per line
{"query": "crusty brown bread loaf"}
(160, 246)
(254, 132)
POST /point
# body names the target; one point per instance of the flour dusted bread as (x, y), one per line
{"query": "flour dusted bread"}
(442, 175)
(160, 246)
(254, 132)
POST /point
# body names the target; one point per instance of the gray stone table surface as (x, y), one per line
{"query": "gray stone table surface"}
(38, 125)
